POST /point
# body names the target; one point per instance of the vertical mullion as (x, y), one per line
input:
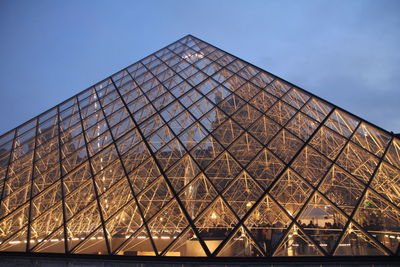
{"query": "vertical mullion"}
(93, 179)
(123, 165)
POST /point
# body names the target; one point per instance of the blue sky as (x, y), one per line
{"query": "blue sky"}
(344, 51)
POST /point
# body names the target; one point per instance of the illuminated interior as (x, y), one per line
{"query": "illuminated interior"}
(194, 152)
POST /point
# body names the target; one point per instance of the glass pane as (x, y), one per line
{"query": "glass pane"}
(328, 142)
(379, 219)
(291, 192)
(296, 243)
(285, 145)
(222, 171)
(387, 183)
(197, 195)
(215, 224)
(322, 222)
(281, 112)
(342, 189)
(311, 165)
(245, 148)
(342, 123)
(372, 139)
(242, 194)
(358, 162)
(267, 224)
(356, 243)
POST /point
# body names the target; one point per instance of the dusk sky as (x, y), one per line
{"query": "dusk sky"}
(347, 52)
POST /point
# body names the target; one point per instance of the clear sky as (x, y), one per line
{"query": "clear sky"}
(344, 51)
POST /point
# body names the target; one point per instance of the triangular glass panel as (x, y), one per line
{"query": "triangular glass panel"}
(278, 87)
(393, 153)
(246, 116)
(262, 79)
(82, 225)
(193, 135)
(215, 224)
(218, 94)
(170, 153)
(203, 106)
(227, 132)
(144, 175)
(16, 192)
(109, 176)
(212, 119)
(15, 242)
(116, 197)
(247, 91)
(79, 199)
(267, 223)
(123, 224)
(322, 222)
(263, 101)
(241, 244)
(54, 243)
(93, 244)
(296, 98)
(302, 126)
(76, 178)
(342, 123)
(328, 142)
(231, 104)
(186, 245)
(356, 243)
(281, 112)
(45, 224)
(380, 219)
(138, 244)
(316, 109)
(166, 225)
(135, 157)
(296, 243)
(372, 139)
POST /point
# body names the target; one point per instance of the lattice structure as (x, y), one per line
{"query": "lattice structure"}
(195, 152)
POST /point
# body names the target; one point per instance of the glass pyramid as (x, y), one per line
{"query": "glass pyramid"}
(195, 152)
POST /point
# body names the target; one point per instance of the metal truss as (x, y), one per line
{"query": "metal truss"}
(192, 151)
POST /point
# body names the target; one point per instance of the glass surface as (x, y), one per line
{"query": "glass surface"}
(194, 152)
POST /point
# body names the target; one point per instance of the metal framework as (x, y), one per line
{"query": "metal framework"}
(195, 152)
